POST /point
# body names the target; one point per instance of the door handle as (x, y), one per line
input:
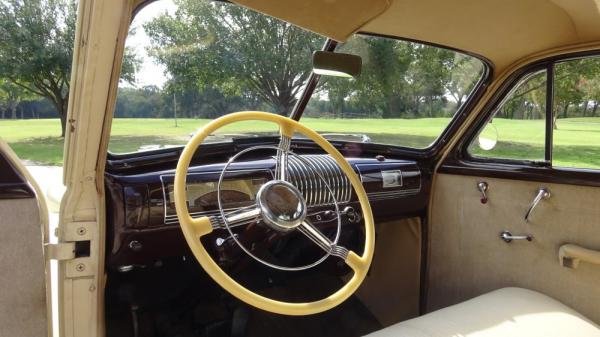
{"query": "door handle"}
(542, 194)
(507, 237)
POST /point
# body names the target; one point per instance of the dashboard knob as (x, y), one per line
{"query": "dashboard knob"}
(135, 245)
(353, 216)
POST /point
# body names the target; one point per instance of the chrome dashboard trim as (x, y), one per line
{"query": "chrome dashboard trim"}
(391, 193)
(172, 218)
(314, 189)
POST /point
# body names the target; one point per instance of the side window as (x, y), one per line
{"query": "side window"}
(576, 114)
(517, 128)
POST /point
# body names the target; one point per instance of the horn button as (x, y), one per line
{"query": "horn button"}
(281, 204)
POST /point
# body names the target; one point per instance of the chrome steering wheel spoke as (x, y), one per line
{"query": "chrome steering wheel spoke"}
(321, 240)
(281, 164)
(239, 217)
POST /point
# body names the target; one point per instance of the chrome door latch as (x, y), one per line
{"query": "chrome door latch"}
(507, 237)
(542, 194)
(482, 186)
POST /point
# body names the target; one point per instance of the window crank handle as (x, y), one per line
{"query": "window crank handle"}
(543, 193)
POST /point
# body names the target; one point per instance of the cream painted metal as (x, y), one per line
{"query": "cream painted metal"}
(503, 31)
(101, 29)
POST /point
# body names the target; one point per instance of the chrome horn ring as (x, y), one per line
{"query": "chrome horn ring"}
(281, 205)
(273, 217)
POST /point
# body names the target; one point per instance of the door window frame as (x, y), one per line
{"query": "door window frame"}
(460, 161)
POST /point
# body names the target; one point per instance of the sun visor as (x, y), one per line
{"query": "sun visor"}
(336, 19)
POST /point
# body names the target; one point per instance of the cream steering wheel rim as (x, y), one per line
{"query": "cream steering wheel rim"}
(194, 228)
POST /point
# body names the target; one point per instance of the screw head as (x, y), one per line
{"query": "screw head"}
(80, 267)
(81, 231)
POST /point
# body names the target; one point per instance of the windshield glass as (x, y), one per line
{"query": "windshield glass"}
(406, 94)
(189, 61)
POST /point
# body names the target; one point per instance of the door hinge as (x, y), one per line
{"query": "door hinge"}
(60, 251)
(74, 251)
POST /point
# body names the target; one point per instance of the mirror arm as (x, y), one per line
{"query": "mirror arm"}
(311, 84)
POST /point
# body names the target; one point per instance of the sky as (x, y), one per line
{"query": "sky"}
(149, 73)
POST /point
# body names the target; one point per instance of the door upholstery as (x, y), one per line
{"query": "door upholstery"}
(23, 220)
(467, 257)
(23, 295)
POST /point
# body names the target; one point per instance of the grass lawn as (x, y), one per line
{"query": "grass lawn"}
(577, 140)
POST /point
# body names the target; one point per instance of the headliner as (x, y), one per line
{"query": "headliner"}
(503, 31)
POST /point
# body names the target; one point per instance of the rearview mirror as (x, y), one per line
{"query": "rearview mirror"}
(336, 64)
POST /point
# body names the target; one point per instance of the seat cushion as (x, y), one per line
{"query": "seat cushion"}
(507, 312)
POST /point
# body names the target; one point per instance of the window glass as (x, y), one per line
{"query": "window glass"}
(517, 129)
(576, 114)
(406, 94)
(191, 61)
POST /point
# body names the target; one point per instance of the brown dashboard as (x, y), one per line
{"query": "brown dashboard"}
(143, 226)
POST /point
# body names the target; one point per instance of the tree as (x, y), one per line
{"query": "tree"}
(574, 85)
(384, 81)
(36, 44)
(10, 97)
(36, 48)
(429, 75)
(379, 91)
(232, 49)
(462, 71)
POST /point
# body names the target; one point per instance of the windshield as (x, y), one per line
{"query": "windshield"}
(188, 62)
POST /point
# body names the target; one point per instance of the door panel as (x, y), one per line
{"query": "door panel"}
(468, 258)
(22, 264)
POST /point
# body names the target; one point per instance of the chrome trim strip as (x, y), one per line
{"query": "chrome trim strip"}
(314, 189)
(206, 213)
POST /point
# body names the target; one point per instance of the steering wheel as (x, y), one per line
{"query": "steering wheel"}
(282, 207)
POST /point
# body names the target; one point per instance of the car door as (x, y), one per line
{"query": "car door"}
(23, 269)
(540, 183)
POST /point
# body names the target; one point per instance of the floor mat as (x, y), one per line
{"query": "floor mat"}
(350, 318)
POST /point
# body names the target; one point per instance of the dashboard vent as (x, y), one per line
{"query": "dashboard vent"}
(313, 173)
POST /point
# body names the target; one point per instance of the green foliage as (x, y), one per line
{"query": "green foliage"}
(527, 100)
(399, 79)
(145, 102)
(214, 46)
(36, 48)
(10, 97)
(576, 92)
(577, 84)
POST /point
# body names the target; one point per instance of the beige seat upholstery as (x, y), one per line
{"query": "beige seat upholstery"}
(507, 312)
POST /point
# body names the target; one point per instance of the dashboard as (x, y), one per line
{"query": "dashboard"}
(143, 225)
